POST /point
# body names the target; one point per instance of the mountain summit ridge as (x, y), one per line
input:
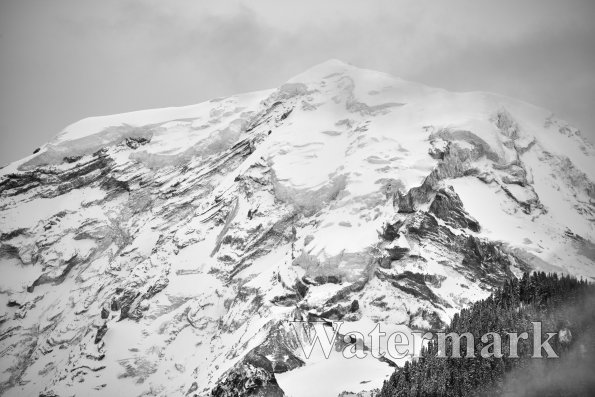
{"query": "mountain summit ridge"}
(165, 251)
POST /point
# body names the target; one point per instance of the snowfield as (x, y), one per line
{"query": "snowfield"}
(166, 251)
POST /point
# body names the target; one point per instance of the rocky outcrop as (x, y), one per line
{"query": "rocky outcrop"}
(48, 182)
(448, 206)
(481, 259)
(253, 376)
(487, 261)
(454, 162)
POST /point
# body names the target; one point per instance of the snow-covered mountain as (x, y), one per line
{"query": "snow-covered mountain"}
(163, 252)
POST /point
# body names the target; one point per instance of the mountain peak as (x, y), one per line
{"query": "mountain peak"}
(130, 237)
(321, 70)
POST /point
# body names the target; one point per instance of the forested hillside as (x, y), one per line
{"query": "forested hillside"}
(562, 304)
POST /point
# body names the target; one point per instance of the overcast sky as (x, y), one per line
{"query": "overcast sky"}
(64, 60)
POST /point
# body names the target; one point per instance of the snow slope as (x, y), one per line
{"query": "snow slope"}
(165, 251)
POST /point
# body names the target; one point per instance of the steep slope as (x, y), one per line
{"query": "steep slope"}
(163, 252)
(561, 304)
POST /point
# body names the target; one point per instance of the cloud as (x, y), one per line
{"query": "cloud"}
(70, 59)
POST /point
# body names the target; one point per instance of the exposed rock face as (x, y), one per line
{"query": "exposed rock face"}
(247, 379)
(167, 252)
(448, 206)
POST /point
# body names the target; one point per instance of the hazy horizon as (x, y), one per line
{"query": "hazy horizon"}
(67, 60)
